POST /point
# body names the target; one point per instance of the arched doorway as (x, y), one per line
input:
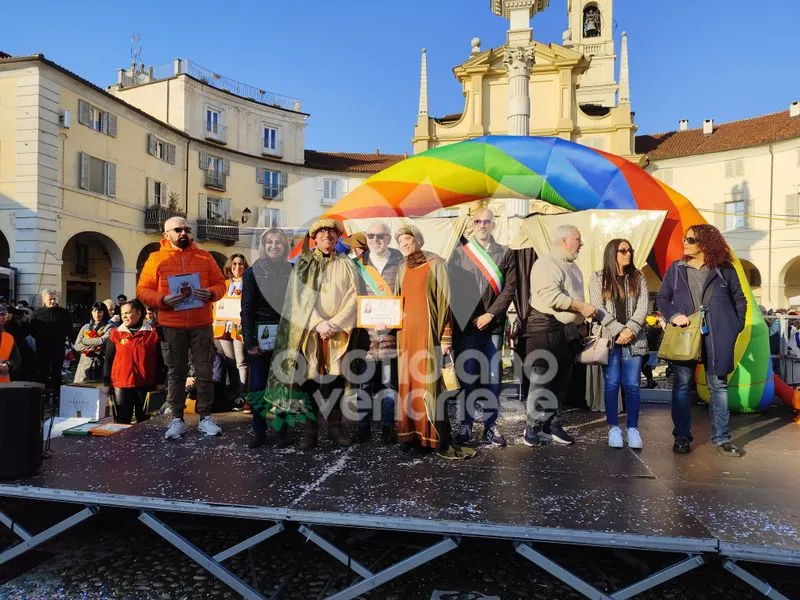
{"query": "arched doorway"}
(791, 283)
(220, 258)
(143, 256)
(92, 270)
(753, 277)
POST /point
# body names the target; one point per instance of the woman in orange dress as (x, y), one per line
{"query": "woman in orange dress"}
(422, 282)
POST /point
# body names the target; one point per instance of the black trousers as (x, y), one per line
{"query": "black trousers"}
(130, 400)
(550, 378)
(49, 364)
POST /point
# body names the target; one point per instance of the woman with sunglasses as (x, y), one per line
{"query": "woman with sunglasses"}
(704, 281)
(619, 293)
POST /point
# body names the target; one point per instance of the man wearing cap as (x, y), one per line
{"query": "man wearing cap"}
(306, 379)
(378, 268)
(185, 330)
(10, 358)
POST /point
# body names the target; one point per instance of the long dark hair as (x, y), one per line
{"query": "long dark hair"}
(611, 285)
(103, 309)
(715, 249)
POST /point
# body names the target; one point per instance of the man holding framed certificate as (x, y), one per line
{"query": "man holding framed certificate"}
(380, 313)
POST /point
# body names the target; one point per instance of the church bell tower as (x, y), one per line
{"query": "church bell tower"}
(591, 32)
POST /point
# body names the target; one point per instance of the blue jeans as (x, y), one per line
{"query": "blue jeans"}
(383, 383)
(718, 412)
(623, 369)
(482, 387)
(259, 371)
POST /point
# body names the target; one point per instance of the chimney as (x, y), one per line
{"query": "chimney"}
(708, 126)
(794, 110)
(378, 152)
(683, 124)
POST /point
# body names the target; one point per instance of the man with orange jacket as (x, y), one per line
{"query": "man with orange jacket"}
(185, 330)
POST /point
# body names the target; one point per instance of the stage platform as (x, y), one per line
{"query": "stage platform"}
(699, 506)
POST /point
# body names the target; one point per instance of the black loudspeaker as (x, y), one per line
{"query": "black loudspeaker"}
(20, 428)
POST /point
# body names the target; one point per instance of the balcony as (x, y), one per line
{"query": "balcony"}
(220, 230)
(155, 216)
(216, 134)
(215, 180)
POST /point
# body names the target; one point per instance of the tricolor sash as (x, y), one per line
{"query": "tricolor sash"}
(373, 279)
(485, 264)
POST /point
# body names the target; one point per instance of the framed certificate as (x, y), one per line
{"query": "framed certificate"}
(228, 309)
(380, 310)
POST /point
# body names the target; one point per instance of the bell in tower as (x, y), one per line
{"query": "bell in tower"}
(591, 22)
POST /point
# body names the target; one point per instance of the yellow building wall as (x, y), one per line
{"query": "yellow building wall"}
(8, 157)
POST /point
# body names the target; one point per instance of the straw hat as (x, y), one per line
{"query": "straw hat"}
(325, 223)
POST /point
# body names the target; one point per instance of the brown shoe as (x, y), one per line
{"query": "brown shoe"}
(308, 441)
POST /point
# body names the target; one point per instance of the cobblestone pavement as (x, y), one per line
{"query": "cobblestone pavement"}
(114, 556)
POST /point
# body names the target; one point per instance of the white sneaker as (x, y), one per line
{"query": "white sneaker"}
(208, 427)
(615, 437)
(634, 439)
(176, 429)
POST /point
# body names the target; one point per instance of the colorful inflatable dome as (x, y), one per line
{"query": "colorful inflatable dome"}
(573, 177)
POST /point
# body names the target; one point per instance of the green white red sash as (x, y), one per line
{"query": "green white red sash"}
(372, 278)
(485, 264)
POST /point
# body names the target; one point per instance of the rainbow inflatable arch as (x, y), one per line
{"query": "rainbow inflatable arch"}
(575, 178)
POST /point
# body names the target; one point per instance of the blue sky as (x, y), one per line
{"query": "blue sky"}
(355, 63)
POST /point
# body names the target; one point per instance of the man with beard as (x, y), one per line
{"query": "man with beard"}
(185, 330)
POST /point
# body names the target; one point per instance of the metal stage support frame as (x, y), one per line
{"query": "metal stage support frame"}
(762, 586)
(368, 580)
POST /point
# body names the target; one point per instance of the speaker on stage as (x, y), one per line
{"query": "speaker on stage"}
(20, 428)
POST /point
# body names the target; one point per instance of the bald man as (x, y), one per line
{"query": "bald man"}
(483, 279)
(186, 320)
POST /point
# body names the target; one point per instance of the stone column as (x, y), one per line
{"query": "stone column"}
(519, 62)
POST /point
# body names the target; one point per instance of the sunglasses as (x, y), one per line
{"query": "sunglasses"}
(690, 240)
(624, 251)
(378, 236)
(482, 222)
(180, 230)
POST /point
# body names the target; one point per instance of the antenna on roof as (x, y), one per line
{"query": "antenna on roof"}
(136, 51)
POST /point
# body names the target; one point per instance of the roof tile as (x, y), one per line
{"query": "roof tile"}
(351, 162)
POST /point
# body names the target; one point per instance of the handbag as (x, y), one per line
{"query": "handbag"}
(595, 351)
(683, 343)
(449, 377)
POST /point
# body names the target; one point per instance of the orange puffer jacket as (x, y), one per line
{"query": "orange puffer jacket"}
(154, 285)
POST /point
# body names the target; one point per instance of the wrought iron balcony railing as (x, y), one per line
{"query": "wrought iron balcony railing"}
(221, 230)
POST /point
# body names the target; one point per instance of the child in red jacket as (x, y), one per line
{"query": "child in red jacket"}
(131, 362)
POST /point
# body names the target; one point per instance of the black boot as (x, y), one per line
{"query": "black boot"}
(282, 440)
(388, 435)
(259, 439)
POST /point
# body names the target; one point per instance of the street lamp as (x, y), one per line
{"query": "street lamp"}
(246, 215)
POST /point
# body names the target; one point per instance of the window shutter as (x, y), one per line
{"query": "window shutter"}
(260, 174)
(151, 192)
(226, 166)
(83, 112)
(171, 153)
(84, 171)
(278, 140)
(284, 183)
(729, 168)
(792, 209)
(112, 125)
(748, 221)
(202, 206)
(111, 179)
(719, 216)
(344, 187)
(151, 144)
(203, 160)
(226, 208)
(318, 184)
(164, 194)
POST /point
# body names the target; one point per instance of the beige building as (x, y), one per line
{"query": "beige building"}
(744, 177)
(88, 176)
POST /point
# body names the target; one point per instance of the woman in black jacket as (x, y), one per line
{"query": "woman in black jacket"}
(263, 290)
(704, 281)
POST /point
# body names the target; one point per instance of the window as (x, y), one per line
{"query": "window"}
(157, 193)
(217, 169)
(269, 217)
(332, 190)
(96, 175)
(793, 208)
(97, 119)
(274, 183)
(734, 168)
(218, 209)
(213, 120)
(735, 211)
(160, 149)
(272, 140)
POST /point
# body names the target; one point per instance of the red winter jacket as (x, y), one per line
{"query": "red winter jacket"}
(131, 358)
